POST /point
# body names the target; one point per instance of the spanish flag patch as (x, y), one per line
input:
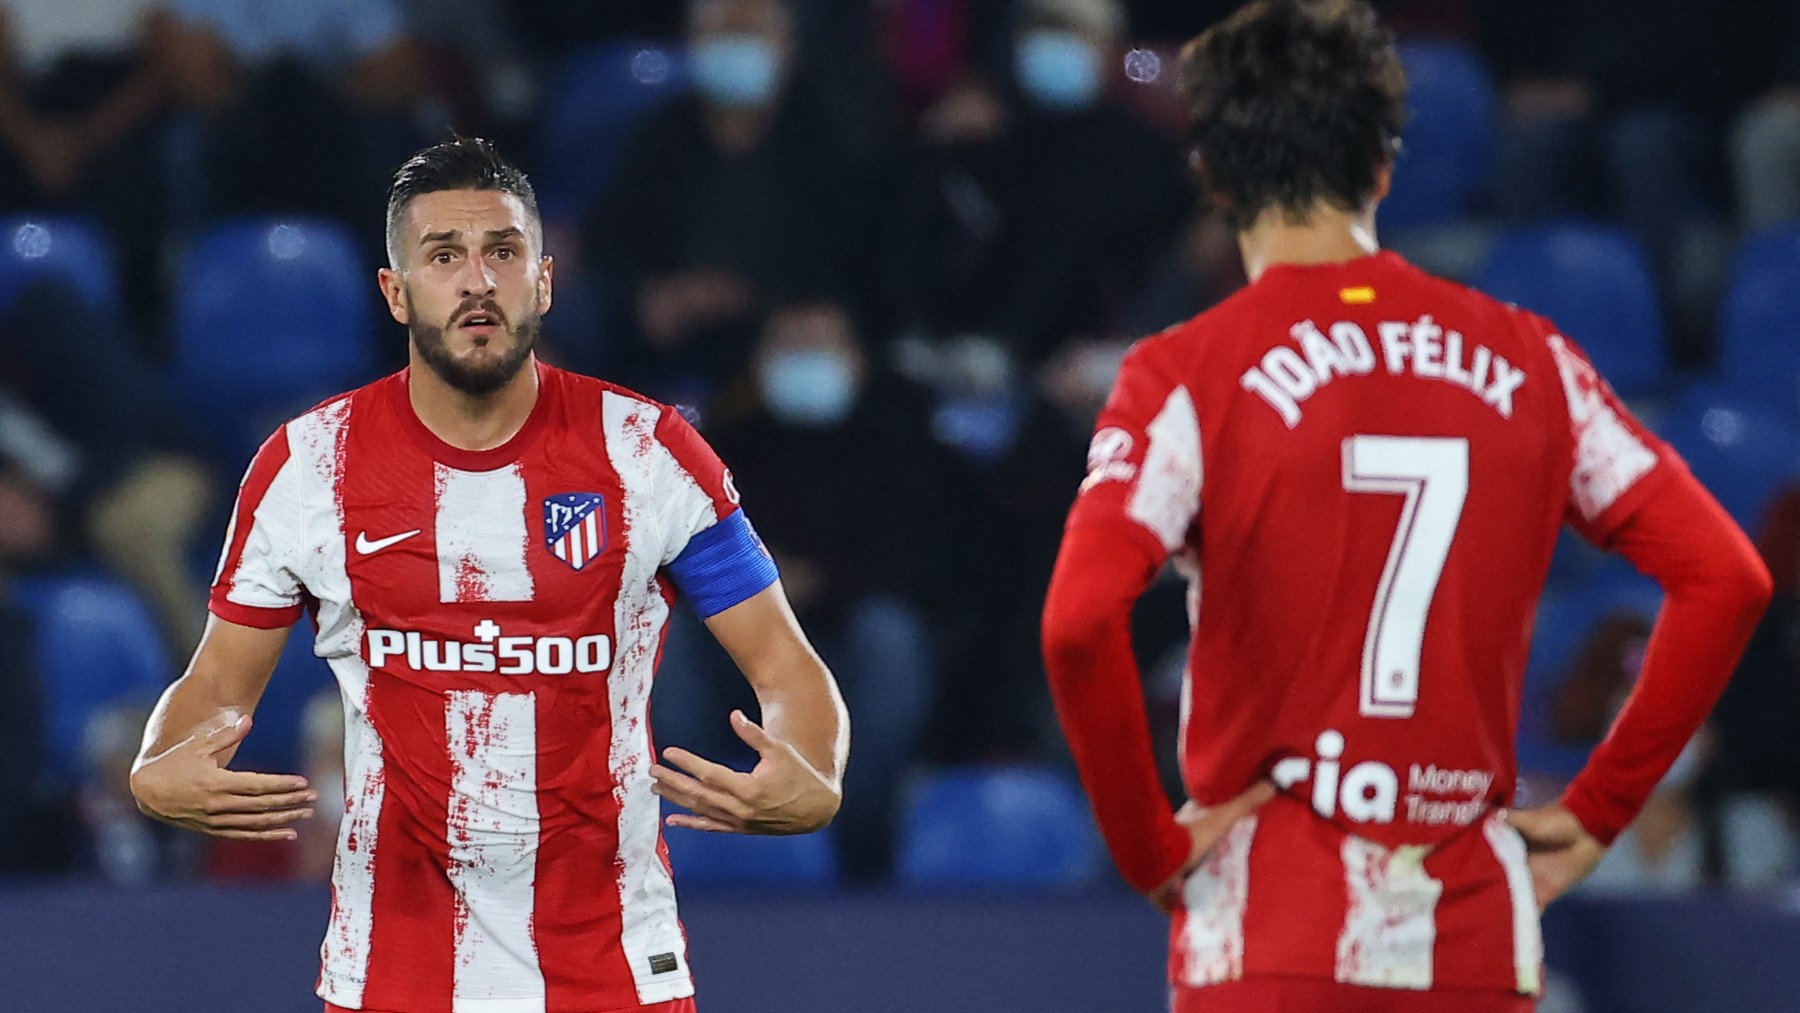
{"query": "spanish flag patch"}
(1361, 295)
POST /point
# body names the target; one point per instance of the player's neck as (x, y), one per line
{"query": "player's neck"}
(472, 421)
(1326, 235)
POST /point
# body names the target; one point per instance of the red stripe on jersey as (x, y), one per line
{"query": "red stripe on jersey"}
(267, 463)
(1298, 893)
(411, 941)
(577, 899)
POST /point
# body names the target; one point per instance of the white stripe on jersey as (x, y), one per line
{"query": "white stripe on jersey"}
(481, 536)
(316, 455)
(492, 831)
(344, 957)
(1167, 494)
(649, 925)
(1215, 897)
(1528, 939)
(265, 577)
(1390, 923)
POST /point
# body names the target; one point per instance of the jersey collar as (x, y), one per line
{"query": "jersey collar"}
(474, 460)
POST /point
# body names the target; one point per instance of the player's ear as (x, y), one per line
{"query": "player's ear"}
(393, 289)
(546, 274)
(1384, 178)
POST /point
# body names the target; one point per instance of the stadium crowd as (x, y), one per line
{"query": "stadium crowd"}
(888, 255)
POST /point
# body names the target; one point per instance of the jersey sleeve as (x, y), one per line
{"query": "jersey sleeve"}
(1617, 462)
(709, 546)
(258, 579)
(1144, 468)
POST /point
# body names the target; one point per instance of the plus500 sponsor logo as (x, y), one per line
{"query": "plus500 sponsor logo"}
(492, 652)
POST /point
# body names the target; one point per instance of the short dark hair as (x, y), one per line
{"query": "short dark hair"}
(463, 163)
(1291, 102)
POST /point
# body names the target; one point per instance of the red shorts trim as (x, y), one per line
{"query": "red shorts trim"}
(1307, 995)
(674, 1006)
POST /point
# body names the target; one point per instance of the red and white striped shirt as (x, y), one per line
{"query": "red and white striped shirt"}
(1362, 471)
(494, 620)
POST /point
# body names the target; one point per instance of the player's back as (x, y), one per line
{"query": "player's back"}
(1383, 460)
(1362, 469)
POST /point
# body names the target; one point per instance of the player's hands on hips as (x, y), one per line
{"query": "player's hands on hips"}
(1561, 852)
(785, 794)
(189, 785)
(1205, 827)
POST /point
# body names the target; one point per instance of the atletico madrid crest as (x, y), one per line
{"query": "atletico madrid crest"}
(575, 526)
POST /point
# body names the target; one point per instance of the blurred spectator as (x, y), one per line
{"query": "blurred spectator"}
(1671, 847)
(1760, 710)
(1198, 270)
(1664, 851)
(849, 495)
(731, 201)
(37, 834)
(555, 28)
(304, 105)
(1614, 107)
(1035, 212)
(81, 85)
(1765, 145)
(133, 469)
(124, 846)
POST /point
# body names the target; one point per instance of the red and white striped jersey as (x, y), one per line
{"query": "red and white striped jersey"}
(1362, 470)
(494, 620)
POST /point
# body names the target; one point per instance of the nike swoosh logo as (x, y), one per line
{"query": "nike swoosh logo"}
(364, 546)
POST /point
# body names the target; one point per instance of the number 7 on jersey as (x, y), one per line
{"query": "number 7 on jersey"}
(1433, 474)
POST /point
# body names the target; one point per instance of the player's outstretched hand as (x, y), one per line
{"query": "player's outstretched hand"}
(189, 785)
(1561, 852)
(784, 794)
(1205, 827)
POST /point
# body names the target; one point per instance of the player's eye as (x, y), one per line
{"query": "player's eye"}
(441, 257)
(504, 253)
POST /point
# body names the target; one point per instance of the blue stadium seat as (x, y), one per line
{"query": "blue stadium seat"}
(1593, 282)
(1759, 321)
(997, 826)
(271, 317)
(1444, 165)
(39, 249)
(596, 100)
(707, 859)
(96, 645)
(1740, 448)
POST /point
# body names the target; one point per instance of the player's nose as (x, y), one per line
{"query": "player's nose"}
(476, 278)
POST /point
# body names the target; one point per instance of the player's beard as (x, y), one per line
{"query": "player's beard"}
(474, 379)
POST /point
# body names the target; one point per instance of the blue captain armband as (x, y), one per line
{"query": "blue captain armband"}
(723, 566)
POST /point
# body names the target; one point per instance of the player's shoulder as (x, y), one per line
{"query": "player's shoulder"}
(605, 407)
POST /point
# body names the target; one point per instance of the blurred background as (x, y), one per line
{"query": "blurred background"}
(888, 253)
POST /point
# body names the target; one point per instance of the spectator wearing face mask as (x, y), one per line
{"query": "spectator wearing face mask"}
(730, 200)
(1666, 851)
(825, 438)
(1036, 210)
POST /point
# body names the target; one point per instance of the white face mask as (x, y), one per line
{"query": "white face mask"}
(1058, 70)
(736, 70)
(808, 388)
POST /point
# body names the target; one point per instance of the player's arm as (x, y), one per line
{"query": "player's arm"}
(180, 775)
(715, 558)
(801, 745)
(1658, 516)
(1141, 494)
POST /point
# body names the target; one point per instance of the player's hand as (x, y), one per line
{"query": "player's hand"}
(784, 794)
(1205, 827)
(1561, 852)
(188, 785)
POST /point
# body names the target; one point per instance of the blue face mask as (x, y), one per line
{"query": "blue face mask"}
(808, 388)
(735, 70)
(1058, 70)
